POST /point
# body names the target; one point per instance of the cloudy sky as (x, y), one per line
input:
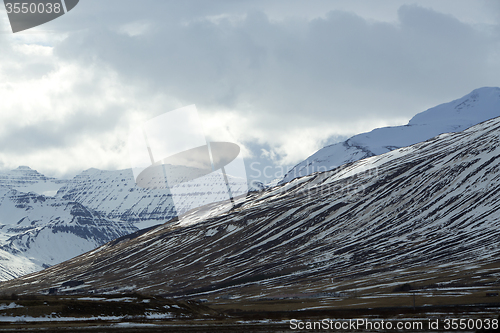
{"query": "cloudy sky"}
(281, 78)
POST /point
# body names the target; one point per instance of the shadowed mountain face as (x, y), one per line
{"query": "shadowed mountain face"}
(428, 210)
(38, 231)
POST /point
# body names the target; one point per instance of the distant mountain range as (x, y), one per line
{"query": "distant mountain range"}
(115, 195)
(480, 105)
(95, 207)
(429, 212)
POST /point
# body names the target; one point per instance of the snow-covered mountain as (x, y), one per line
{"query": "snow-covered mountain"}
(38, 231)
(480, 105)
(429, 213)
(26, 179)
(114, 194)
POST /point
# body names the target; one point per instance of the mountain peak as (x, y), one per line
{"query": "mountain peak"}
(92, 171)
(479, 105)
(23, 167)
(26, 171)
(486, 90)
(26, 179)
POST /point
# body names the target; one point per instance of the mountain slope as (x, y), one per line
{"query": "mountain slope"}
(428, 212)
(480, 105)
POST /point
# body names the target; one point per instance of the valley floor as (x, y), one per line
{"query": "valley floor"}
(140, 313)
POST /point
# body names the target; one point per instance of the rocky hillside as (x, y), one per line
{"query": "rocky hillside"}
(429, 212)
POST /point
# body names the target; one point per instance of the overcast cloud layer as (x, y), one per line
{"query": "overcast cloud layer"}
(282, 78)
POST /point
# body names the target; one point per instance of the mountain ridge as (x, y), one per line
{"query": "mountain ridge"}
(480, 105)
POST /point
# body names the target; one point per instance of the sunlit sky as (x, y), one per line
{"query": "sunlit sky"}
(280, 78)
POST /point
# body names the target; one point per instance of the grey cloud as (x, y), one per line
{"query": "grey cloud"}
(29, 70)
(31, 138)
(284, 75)
(319, 68)
(45, 134)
